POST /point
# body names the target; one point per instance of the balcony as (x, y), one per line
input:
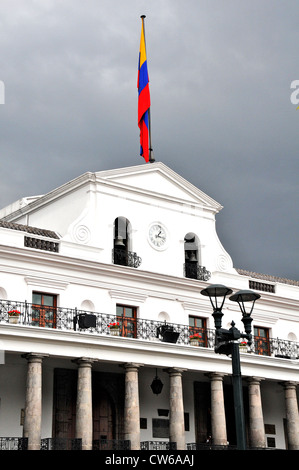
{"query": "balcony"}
(123, 257)
(13, 443)
(61, 318)
(59, 444)
(157, 445)
(56, 443)
(193, 270)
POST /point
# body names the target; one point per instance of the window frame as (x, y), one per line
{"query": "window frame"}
(40, 311)
(127, 324)
(193, 329)
(261, 341)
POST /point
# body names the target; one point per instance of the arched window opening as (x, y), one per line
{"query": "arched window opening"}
(192, 266)
(192, 253)
(121, 241)
(122, 253)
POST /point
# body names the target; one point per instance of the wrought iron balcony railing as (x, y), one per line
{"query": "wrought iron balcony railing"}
(57, 443)
(126, 258)
(97, 323)
(13, 443)
(158, 445)
(111, 444)
(133, 328)
(193, 270)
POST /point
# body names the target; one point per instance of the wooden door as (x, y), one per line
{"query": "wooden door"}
(65, 391)
(103, 417)
(202, 405)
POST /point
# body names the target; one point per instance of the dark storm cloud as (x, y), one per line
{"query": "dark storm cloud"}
(220, 74)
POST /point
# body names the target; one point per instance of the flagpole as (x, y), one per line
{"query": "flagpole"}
(151, 153)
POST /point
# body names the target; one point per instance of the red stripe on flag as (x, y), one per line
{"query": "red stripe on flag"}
(144, 140)
(144, 102)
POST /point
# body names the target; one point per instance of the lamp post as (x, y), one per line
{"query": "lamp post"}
(226, 342)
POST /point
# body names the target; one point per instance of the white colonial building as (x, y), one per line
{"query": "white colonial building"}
(135, 246)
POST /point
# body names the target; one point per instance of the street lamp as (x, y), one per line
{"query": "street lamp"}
(226, 342)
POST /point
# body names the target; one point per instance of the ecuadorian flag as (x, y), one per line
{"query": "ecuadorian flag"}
(143, 99)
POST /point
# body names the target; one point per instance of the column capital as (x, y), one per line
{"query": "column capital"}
(288, 384)
(216, 375)
(131, 365)
(34, 357)
(174, 370)
(254, 380)
(84, 361)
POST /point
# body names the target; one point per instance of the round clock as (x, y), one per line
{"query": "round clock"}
(157, 236)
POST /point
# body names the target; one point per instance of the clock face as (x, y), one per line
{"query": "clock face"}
(157, 236)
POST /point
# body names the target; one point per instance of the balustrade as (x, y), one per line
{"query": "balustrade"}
(144, 329)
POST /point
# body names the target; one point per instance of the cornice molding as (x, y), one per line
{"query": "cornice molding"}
(127, 295)
(49, 283)
(155, 283)
(60, 343)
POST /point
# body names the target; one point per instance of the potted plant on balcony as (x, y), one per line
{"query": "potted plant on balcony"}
(13, 316)
(114, 328)
(243, 347)
(195, 339)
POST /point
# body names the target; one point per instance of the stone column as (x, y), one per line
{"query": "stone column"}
(132, 412)
(292, 415)
(84, 402)
(256, 421)
(219, 435)
(33, 404)
(176, 409)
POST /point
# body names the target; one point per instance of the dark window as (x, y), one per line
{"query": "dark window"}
(270, 429)
(192, 264)
(271, 442)
(44, 309)
(121, 241)
(126, 316)
(121, 253)
(160, 428)
(191, 256)
(186, 422)
(143, 423)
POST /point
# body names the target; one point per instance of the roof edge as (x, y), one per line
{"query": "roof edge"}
(267, 277)
(29, 229)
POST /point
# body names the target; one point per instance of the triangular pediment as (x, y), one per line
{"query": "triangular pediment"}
(151, 180)
(159, 180)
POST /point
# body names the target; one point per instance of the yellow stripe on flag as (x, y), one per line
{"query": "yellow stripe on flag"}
(142, 47)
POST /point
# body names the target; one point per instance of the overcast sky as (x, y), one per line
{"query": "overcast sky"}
(220, 83)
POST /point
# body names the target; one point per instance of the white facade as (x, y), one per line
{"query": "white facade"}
(79, 217)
